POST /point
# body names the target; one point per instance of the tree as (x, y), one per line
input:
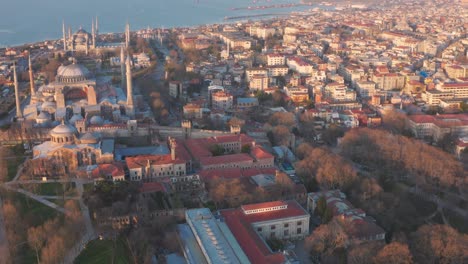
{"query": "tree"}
(392, 155)
(327, 168)
(439, 244)
(332, 133)
(325, 240)
(281, 135)
(230, 192)
(13, 226)
(246, 148)
(54, 250)
(36, 239)
(396, 122)
(321, 206)
(217, 150)
(283, 118)
(364, 252)
(394, 253)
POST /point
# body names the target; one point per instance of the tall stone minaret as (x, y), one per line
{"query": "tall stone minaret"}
(31, 78)
(122, 68)
(64, 37)
(93, 34)
(127, 35)
(97, 26)
(19, 114)
(130, 107)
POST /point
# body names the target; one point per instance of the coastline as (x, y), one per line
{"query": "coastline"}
(238, 18)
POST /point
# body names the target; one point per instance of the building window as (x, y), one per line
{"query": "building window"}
(299, 231)
(299, 223)
(286, 232)
(286, 225)
(259, 229)
(273, 227)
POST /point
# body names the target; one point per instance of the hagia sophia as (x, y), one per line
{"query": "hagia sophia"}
(84, 114)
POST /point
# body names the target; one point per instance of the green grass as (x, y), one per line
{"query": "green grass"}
(13, 165)
(88, 187)
(53, 189)
(104, 251)
(33, 212)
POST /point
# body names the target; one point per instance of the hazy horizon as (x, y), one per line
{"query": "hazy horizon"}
(42, 20)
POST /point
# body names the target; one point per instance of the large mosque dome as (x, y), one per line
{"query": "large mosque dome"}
(63, 134)
(72, 73)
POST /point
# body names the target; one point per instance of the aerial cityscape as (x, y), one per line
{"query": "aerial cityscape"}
(247, 131)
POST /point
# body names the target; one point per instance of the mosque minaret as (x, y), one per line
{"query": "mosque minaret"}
(31, 78)
(19, 114)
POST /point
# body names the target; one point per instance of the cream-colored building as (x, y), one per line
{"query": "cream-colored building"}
(258, 82)
(249, 73)
(389, 81)
(278, 70)
(222, 100)
(276, 59)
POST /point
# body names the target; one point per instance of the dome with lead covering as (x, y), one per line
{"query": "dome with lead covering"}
(96, 120)
(72, 73)
(63, 133)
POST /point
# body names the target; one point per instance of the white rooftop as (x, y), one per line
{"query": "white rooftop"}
(214, 244)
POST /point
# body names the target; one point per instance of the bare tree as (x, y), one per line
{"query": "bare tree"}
(439, 244)
(36, 239)
(394, 253)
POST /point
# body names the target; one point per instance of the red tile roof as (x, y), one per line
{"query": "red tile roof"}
(142, 160)
(115, 169)
(233, 173)
(259, 153)
(253, 245)
(226, 159)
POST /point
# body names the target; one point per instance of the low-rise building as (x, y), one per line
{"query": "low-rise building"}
(216, 243)
(298, 94)
(437, 126)
(247, 102)
(353, 221)
(276, 59)
(258, 82)
(222, 100)
(252, 224)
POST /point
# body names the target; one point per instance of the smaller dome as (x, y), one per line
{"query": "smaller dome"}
(43, 116)
(64, 129)
(81, 32)
(96, 120)
(75, 118)
(90, 138)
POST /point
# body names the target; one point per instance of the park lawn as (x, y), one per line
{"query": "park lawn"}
(102, 252)
(34, 212)
(53, 189)
(13, 165)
